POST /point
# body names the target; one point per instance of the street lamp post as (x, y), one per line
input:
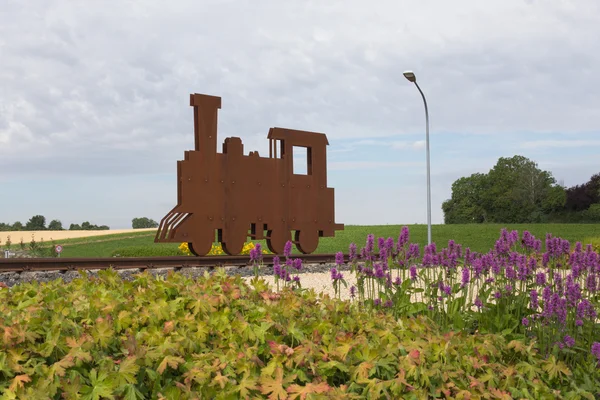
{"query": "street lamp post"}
(412, 78)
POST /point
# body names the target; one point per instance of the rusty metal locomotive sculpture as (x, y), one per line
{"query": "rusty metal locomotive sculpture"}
(229, 197)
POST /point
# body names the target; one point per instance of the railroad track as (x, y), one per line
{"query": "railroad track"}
(178, 262)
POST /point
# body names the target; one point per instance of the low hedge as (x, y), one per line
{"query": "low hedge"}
(219, 338)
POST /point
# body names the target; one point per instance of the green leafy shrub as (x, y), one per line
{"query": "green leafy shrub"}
(593, 213)
(219, 338)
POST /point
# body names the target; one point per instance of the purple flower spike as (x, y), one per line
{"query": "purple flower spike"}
(339, 258)
(403, 238)
(545, 259)
(383, 253)
(276, 266)
(596, 350)
(352, 291)
(352, 252)
(389, 245)
(525, 322)
(370, 243)
(335, 274)
(569, 341)
(534, 299)
(380, 243)
(540, 279)
(447, 290)
(465, 277)
(253, 256)
(413, 250)
(413, 272)
(528, 240)
(514, 237)
(287, 250)
(591, 283)
(510, 273)
(297, 263)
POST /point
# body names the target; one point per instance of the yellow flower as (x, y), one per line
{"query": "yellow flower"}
(183, 247)
(217, 250)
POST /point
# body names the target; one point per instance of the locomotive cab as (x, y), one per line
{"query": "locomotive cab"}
(311, 211)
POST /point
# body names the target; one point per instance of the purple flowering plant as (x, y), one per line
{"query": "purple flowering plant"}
(550, 295)
(256, 258)
(283, 271)
(337, 277)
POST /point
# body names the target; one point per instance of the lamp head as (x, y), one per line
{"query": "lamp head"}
(410, 76)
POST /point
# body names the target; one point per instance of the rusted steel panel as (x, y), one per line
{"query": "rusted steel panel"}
(237, 197)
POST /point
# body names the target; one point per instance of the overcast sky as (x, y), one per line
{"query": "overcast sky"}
(94, 96)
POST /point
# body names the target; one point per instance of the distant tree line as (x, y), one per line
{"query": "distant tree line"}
(143, 222)
(515, 190)
(38, 223)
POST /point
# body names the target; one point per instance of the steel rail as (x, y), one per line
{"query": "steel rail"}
(177, 262)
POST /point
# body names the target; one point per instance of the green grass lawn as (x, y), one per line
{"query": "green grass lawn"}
(478, 237)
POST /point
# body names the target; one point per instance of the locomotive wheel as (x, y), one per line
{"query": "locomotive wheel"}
(235, 242)
(276, 244)
(307, 240)
(201, 244)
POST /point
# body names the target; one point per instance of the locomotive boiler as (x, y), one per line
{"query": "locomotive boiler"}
(230, 197)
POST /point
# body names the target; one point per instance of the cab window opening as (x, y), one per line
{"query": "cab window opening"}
(302, 160)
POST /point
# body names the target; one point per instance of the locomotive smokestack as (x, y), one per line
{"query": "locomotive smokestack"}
(205, 124)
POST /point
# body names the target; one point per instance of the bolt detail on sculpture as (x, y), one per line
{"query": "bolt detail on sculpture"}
(230, 197)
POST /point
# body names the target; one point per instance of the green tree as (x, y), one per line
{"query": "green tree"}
(55, 225)
(36, 223)
(592, 214)
(144, 222)
(87, 226)
(515, 190)
(17, 226)
(465, 205)
(555, 199)
(520, 192)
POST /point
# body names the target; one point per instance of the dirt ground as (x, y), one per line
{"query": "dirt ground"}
(320, 281)
(47, 236)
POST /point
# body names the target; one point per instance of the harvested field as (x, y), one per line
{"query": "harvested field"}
(47, 236)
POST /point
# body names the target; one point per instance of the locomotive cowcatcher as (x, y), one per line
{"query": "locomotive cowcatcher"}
(229, 197)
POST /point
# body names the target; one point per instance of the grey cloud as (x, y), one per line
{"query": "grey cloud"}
(103, 79)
